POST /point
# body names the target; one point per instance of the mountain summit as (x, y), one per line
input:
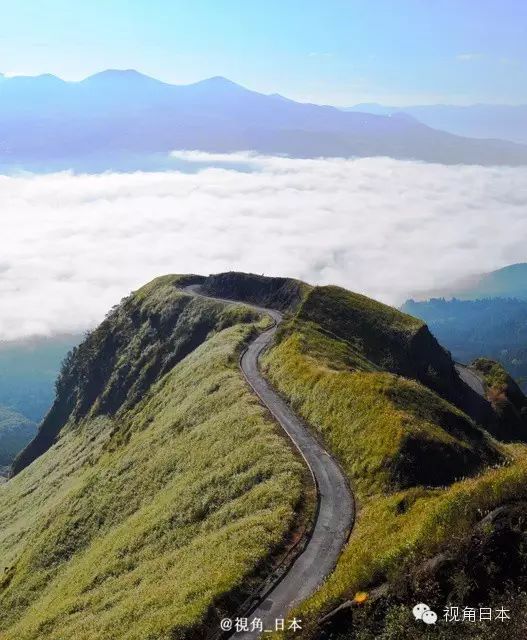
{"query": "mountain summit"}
(113, 76)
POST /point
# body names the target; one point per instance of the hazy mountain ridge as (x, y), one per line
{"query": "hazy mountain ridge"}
(124, 112)
(508, 282)
(15, 433)
(28, 370)
(506, 122)
(485, 316)
(495, 328)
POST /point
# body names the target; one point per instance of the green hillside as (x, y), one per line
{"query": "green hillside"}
(168, 487)
(158, 490)
(424, 473)
(387, 429)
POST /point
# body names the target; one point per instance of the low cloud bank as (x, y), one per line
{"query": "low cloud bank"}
(74, 245)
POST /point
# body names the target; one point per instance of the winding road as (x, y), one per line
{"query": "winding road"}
(472, 379)
(336, 511)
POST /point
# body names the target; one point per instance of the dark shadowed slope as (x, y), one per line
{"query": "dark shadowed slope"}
(494, 328)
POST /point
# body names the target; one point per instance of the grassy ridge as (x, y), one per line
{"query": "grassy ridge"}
(134, 524)
(371, 418)
(169, 486)
(453, 471)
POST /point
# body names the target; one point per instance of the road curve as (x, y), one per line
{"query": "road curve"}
(471, 378)
(336, 510)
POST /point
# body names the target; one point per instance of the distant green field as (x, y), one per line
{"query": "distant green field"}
(137, 525)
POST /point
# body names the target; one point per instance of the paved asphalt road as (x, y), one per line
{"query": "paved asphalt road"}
(469, 377)
(336, 505)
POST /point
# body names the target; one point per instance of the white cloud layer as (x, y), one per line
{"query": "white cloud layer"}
(73, 245)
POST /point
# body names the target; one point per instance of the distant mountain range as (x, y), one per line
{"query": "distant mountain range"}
(483, 316)
(508, 282)
(113, 116)
(493, 327)
(15, 433)
(28, 369)
(507, 122)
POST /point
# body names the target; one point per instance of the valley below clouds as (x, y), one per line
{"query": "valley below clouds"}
(73, 245)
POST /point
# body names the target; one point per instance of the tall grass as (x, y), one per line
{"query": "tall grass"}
(137, 526)
(366, 417)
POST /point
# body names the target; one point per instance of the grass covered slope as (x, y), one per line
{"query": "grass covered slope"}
(382, 425)
(150, 509)
(423, 472)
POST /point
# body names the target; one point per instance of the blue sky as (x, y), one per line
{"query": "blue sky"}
(331, 51)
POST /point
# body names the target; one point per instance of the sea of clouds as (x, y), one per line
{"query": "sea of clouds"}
(73, 245)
